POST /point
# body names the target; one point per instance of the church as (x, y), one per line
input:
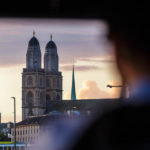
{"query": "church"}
(42, 94)
(42, 87)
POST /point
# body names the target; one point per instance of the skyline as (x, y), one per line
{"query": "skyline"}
(82, 40)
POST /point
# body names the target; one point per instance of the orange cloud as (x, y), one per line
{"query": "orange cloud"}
(115, 92)
(106, 59)
(67, 96)
(90, 90)
(79, 68)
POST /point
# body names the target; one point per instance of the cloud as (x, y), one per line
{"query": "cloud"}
(115, 92)
(9, 118)
(74, 38)
(90, 90)
(14, 63)
(79, 68)
(67, 96)
(106, 59)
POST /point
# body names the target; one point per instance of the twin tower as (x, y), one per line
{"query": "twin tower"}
(40, 86)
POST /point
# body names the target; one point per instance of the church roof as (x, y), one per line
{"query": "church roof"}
(81, 105)
(33, 41)
(50, 45)
(37, 120)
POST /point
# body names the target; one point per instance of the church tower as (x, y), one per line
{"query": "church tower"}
(33, 82)
(51, 57)
(52, 74)
(40, 86)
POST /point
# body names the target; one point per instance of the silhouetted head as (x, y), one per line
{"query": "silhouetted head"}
(130, 32)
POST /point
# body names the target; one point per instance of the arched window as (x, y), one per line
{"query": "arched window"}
(54, 96)
(30, 97)
(29, 59)
(58, 97)
(35, 63)
(48, 83)
(58, 85)
(54, 83)
(30, 81)
(41, 98)
(41, 81)
(48, 99)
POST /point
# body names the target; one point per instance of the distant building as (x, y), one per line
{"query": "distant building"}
(42, 94)
(40, 85)
(84, 106)
(29, 130)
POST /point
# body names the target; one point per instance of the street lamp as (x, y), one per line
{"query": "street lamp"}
(14, 122)
(123, 91)
(111, 86)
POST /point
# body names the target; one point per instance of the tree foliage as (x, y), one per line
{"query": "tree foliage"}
(4, 137)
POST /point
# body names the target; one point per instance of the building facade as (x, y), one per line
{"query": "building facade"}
(40, 85)
(29, 130)
(26, 131)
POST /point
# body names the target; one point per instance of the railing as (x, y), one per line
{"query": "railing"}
(28, 70)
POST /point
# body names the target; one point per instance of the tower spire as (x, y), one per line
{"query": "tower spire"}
(51, 36)
(73, 90)
(33, 33)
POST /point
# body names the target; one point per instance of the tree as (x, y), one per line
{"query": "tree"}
(4, 137)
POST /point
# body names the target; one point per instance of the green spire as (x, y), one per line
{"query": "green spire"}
(73, 90)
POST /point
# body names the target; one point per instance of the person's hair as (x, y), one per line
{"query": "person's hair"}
(130, 21)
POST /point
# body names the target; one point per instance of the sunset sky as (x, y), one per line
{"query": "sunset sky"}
(84, 41)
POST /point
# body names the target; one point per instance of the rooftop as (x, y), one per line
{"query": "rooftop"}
(37, 120)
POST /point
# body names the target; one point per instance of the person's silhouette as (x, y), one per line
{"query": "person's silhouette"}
(127, 127)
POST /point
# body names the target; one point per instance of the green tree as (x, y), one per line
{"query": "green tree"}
(4, 137)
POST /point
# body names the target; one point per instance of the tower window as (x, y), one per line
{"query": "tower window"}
(30, 81)
(41, 98)
(40, 81)
(47, 99)
(58, 85)
(54, 83)
(48, 83)
(54, 96)
(30, 103)
(58, 97)
(35, 63)
(30, 98)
